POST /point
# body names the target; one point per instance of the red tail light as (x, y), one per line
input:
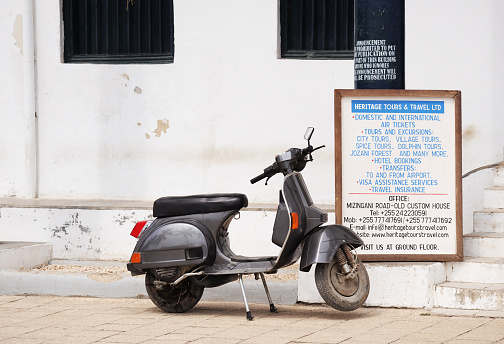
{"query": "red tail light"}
(139, 228)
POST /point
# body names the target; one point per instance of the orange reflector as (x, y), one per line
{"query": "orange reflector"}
(136, 258)
(295, 221)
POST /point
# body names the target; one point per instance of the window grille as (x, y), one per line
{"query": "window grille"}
(118, 31)
(317, 29)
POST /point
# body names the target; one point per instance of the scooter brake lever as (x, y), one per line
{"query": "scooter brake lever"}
(323, 146)
(267, 180)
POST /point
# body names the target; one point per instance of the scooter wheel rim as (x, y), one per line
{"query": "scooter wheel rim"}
(344, 286)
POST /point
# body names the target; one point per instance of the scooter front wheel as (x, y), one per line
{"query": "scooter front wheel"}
(342, 290)
(173, 299)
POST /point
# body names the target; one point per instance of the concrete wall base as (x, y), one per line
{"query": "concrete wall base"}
(392, 284)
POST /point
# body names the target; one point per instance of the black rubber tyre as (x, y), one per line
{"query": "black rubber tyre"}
(176, 299)
(341, 294)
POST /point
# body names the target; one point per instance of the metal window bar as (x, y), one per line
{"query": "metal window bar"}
(146, 28)
(94, 29)
(104, 26)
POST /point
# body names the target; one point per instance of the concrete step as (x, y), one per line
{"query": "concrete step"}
(484, 244)
(493, 198)
(490, 220)
(450, 312)
(15, 255)
(465, 295)
(475, 270)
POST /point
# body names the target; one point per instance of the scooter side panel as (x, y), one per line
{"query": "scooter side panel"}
(322, 243)
(174, 244)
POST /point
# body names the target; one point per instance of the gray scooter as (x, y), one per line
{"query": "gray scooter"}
(186, 248)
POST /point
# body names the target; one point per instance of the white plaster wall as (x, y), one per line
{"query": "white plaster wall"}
(457, 45)
(11, 100)
(228, 103)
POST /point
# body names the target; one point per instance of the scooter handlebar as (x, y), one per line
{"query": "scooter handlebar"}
(310, 149)
(269, 171)
(258, 178)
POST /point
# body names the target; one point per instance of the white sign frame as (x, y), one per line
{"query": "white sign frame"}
(398, 157)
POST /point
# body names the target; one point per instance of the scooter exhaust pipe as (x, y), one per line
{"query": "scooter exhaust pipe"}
(184, 276)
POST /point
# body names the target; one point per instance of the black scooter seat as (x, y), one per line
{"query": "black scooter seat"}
(198, 204)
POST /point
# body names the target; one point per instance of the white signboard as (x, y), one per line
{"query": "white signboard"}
(399, 174)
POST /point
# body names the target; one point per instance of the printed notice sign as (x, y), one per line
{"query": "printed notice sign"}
(398, 182)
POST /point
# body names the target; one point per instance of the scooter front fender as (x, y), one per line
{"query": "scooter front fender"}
(322, 243)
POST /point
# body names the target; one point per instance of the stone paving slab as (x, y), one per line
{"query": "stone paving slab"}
(55, 319)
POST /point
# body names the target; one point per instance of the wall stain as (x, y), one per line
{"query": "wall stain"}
(138, 90)
(17, 33)
(121, 220)
(74, 234)
(59, 231)
(162, 126)
(84, 229)
(469, 132)
(125, 76)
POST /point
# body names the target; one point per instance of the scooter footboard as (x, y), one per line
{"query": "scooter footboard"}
(323, 242)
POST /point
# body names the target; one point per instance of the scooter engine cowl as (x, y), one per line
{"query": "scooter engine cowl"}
(175, 244)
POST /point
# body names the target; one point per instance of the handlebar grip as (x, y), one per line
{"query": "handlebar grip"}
(258, 178)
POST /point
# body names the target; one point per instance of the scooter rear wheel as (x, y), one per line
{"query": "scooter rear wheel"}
(173, 299)
(340, 291)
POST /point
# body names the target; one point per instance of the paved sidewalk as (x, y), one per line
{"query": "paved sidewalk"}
(54, 319)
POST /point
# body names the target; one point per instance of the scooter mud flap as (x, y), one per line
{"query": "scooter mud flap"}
(323, 242)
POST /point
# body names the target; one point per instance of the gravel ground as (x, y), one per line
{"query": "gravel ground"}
(287, 274)
(82, 269)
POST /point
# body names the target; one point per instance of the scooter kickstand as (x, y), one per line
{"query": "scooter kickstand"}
(249, 314)
(272, 306)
